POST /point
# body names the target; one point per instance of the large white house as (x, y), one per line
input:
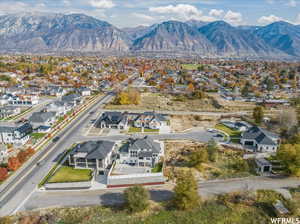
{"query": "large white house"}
(15, 134)
(143, 152)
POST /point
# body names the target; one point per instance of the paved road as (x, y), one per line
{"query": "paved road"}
(24, 184)
(203, 113)
(200, 136)
(114, 196)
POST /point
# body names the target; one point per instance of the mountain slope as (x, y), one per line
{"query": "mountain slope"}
(283, 36)
(58, 32)
(174, 36)
(232, 41)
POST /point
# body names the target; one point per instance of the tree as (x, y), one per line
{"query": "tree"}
(191, 87)
(186, 192)
(22, 156)
(3, 173)
(290, 156)
(212, 149)
(30, 151)
(13, 163)
(136, 198)
(258, 114)
(198, 157)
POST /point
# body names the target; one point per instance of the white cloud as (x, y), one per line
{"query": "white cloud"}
(21, 7)
(216, 12)
(143, 16)
(184, 11)
(264, 20)
(102, 4)
(292, 3)
(234, 18)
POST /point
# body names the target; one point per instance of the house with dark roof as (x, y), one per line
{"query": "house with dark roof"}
(72, 99)
(38, 119)
(116, 120)
(260, 140)
(11, 134)
(95, 155)
(143, 152)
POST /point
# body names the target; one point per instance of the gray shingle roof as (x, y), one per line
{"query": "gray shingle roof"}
(113, 118)
(94, 149)
(261, 136)
(40, 117)
(145, 143)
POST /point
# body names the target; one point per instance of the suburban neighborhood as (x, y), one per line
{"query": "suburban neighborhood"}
(189, 114)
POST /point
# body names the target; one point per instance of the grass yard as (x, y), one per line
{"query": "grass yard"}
(37, 136)
(190, 66)
(134, 130)
(138, 130)
(69, 174)
(231, 132)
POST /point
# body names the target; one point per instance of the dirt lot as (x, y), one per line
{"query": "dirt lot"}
(233, 105)
(156, 101)
(175, 157)
(228, 164)
(184, 122)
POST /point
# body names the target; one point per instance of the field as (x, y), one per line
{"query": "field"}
(190, 66)
(162, 102)
(184, 122)
(228, 164)
(233, 105)
(68, 174)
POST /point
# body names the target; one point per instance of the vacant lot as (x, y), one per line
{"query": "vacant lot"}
(229, 163)
(233, 105)
(163, 102)
(69, 174)
(184, 122)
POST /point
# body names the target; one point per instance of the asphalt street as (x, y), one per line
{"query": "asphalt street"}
(114, 196)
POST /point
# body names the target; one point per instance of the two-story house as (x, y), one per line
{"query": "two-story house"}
(143, 152)
(8, 111)
(46, 119)
(72, 99)
(95, 155)
(59, 107)
(150, 120)
(10, 134)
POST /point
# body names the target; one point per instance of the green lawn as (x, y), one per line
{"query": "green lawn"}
(37, 135)
(158, 168)
(69, 174)
(150, 130)
(133, 130)
(190, 66)
(231, 132)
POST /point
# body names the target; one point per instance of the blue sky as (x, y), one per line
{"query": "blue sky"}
(128, 13)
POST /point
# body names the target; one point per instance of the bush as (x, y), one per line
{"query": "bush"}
(136, 198)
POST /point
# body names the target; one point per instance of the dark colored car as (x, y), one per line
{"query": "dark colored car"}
(56, 139)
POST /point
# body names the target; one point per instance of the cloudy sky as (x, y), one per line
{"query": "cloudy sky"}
(128, 13)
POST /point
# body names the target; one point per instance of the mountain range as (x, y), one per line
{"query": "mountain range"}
(42, 33)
